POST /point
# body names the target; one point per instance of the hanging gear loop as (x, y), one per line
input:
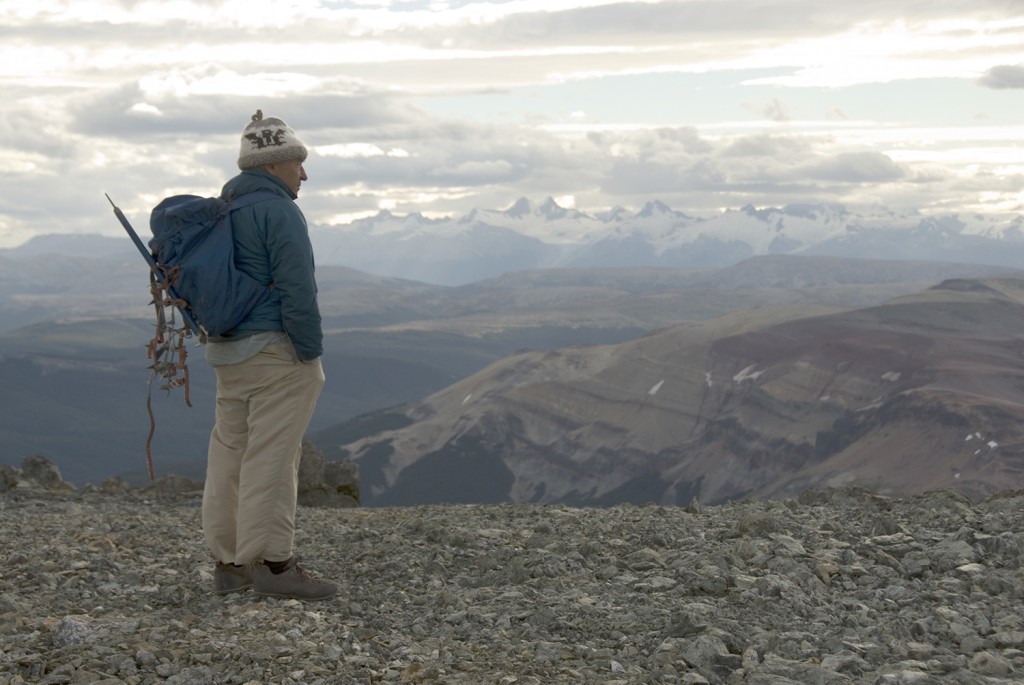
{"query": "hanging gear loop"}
(166, 350)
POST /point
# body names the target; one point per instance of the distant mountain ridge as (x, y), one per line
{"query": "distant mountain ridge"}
(74, 330)
(485, 243)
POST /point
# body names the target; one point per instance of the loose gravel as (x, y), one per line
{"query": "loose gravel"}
(840, 586)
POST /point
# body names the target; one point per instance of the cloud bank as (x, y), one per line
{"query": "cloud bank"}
(444, 106)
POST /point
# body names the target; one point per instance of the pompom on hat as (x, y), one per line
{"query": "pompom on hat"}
(268, 141)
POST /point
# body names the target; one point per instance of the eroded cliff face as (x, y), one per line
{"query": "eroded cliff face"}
(924, 392)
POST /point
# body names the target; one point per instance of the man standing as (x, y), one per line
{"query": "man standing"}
(269, 378)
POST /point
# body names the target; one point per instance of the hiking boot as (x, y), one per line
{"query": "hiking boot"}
(230, 578)
(294, 582)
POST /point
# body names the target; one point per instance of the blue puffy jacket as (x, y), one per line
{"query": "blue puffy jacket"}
(272, 245)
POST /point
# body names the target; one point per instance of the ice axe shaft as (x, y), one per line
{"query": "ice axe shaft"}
(148, 256)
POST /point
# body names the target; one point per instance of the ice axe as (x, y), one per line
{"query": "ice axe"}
(190, 320)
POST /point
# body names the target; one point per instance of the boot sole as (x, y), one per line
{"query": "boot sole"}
(282, 595)
(233, 590)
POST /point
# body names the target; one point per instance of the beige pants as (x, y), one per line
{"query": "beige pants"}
(264, 406)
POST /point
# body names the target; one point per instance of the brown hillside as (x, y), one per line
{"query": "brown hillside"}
(923, 392)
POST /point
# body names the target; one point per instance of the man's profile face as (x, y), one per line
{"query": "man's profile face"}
(291, 172)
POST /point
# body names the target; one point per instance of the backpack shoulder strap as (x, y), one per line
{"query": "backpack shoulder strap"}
(252, 198)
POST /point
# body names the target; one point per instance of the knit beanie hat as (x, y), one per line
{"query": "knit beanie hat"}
(268, 141)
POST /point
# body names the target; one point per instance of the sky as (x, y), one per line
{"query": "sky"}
(442, 106)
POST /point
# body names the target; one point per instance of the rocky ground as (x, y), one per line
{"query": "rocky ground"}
(111, 585)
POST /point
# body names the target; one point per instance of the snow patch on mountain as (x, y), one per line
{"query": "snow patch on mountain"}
(748, 374)
(488, 242)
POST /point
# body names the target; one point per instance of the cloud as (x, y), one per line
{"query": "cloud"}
(1003, 76)
(854, 167)
(775, 111)
(118, 113)
(631, 178)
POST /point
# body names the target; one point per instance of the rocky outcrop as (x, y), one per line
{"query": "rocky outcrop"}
(322, 483)
(36, 473)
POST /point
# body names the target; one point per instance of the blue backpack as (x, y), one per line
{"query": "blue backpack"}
(195, 258)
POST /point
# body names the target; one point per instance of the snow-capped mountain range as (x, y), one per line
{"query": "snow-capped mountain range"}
(485, 243)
